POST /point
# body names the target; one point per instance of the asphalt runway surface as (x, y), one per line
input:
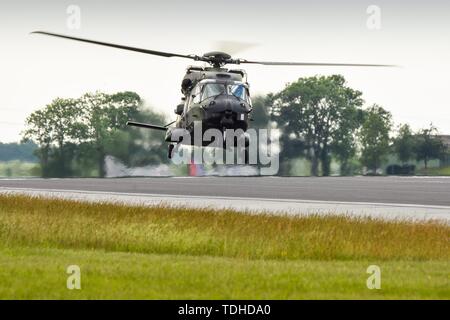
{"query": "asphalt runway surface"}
(406, 190)
(427, 196)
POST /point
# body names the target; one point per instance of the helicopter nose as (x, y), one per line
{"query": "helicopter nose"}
(229, 103)
(229, 112)
(226, 106)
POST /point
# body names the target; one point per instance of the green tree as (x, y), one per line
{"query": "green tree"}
(404, 143)
(52, 128)
(66, 126)
(38, 131)
(375, 137)
(344, 144)
(321, 113)
(75, 135)
(260, 113)
(104, 115)
(428, 145)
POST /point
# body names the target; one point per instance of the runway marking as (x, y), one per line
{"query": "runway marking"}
(255, 205)
(158, 195)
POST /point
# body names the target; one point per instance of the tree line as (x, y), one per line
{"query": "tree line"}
(320, 118)
(18, 151)
(75, 135)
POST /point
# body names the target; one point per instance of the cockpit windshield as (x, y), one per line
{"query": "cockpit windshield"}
(238, 90)
(215, 89)
(212, 90)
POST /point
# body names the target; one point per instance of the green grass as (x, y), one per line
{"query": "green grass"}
(17, 168)
(33, 273)
(179, 253)
(444, 171)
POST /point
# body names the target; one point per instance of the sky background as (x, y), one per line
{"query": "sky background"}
(36, 69)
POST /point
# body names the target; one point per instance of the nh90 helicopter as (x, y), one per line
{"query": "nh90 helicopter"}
(217, 97)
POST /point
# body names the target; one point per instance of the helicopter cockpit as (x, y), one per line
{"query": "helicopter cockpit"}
(206, 89)
(219, 103)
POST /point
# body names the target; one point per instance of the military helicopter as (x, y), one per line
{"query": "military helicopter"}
(217, 97)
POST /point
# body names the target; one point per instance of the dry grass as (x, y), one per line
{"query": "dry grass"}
(27, 221)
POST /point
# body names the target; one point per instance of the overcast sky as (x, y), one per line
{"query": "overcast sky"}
(36, 69)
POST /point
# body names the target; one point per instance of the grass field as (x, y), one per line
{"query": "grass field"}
(178, 253)
(18, 168)
(444, 171)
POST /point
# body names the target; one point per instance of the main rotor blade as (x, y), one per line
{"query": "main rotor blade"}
(317, 64)
(118, 46)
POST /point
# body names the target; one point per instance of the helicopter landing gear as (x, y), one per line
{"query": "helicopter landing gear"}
(246, 156)
(170, 151)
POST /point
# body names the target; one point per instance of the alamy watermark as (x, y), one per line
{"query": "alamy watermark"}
(73, 21)
(230, 146)
(74, 279)
(373, 21)
(374, 280)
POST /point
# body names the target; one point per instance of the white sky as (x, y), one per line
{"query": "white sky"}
(36, 69)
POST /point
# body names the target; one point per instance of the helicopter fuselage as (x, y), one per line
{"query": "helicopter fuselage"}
(216, 97)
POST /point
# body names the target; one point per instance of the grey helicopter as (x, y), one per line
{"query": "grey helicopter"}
(217, 97)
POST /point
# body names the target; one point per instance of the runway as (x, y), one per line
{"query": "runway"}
(388, 197)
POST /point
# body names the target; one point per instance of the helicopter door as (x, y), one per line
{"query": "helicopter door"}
(192, 112)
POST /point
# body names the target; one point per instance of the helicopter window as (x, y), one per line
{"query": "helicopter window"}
(196, 94)
(212, 90)
(238, 90)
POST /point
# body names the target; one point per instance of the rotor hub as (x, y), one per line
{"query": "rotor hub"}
(217, 58)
